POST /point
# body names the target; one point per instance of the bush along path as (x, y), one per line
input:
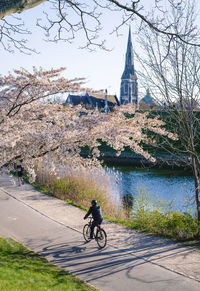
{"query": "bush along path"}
(162, 252)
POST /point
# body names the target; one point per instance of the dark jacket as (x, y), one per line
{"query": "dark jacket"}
(96, 213)
(19, 170)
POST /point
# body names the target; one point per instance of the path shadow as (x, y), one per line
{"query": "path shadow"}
(86, 260)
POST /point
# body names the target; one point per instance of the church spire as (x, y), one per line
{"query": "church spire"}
(129, 90)
(129, 62)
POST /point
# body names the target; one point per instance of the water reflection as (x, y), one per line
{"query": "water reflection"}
(169, 185)
(127, 201)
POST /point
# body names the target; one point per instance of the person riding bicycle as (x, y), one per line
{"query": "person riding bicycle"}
(95, 210)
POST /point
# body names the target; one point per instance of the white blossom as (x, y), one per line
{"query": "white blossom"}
(36, 132)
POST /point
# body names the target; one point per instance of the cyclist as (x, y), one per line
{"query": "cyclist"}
(95, 210)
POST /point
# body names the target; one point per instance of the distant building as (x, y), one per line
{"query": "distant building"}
(129, 85)
(102, 102)
(147, 102)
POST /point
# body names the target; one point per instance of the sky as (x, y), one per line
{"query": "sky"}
(102, 69)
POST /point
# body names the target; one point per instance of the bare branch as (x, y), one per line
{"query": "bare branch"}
(173, 68)
(153, 25)
(11, 32)
(73, 18)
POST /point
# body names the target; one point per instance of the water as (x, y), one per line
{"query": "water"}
(167, 185)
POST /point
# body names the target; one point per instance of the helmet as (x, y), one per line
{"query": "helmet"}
(94, 202)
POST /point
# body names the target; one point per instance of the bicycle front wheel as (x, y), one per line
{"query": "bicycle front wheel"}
(101, 238)
(86, 232)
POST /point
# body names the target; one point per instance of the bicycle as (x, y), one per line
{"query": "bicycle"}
(99, 235)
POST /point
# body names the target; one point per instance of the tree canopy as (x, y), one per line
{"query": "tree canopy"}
(33, 130)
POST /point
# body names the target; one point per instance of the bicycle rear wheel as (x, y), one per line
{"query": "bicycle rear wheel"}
(86, 232)
(101, 238)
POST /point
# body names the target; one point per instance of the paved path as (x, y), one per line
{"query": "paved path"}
(132, 260)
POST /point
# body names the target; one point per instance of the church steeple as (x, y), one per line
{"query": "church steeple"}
(129, 63)
(129, 86)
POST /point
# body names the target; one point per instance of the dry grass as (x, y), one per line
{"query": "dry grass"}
(81, 187)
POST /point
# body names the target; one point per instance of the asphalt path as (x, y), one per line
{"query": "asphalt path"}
(112, 268)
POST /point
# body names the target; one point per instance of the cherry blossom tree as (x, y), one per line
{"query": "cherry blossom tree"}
(35, 131)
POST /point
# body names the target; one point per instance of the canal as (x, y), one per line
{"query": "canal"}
(174, 186)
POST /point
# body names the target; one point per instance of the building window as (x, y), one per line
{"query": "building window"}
(133, 88)
(125, 88)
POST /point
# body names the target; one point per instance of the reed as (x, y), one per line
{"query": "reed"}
(81, 187)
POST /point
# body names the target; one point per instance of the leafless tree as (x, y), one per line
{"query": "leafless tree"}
(70, 17)
(172, 70)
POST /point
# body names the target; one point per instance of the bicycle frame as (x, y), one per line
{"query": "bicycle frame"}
(98, 227)
(99, 235)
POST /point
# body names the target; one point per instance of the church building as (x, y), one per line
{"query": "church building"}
(101, 101)
(148, 102)
(129, 85)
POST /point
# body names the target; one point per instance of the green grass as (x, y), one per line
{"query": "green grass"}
(21, 269)
(189, 241)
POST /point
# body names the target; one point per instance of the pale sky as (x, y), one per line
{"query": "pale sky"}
(102, 69)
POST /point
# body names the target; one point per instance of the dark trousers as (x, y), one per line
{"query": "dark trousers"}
(94, 223)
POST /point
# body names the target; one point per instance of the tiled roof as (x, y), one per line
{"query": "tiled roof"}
(110, 98)
(76, 99)
(93, 100)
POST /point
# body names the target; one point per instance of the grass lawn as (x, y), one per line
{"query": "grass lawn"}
(22, 269)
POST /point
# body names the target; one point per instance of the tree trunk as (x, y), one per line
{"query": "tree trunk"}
(12, 6)
(196, 182)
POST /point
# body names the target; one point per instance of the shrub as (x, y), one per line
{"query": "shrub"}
(159, 218)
